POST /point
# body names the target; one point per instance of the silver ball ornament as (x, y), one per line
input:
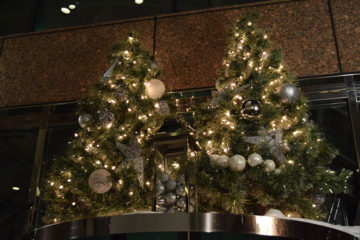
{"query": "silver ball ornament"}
(160, 188)
(181, 179)
(160, 200)
(170, 185)
(269, 165)
(214, 159)
(162, 108)
(170, 198)
(254, 160)
(223, 161)
(289, 93)
(181, 203)
(106, 118)
(180, 191)
(277, 171)
(164, 177)
(155, 89)
(99, 181)
(84, 120)
(251, 108)
(120, 94)
(237, 163)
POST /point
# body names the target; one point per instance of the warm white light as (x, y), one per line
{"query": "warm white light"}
(61, 186)
(15, 188)
(65, 10)
(72, 6)
(139, 1)
(176, 165)
(52, 184)
(73, 203)
(147, 183)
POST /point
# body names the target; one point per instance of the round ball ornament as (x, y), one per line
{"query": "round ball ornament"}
(214, 159)
(164, 177)
(269, 165)
(106, 118)
(181, 179)
(160, 189)
(237, 163)
(181, 203)
(160, 200)
(319, 199)
(155, 88)
(99, 181)
(170, 198)
(162, 108)
(251, 108)
(254, 160)
(223, 161)
(84, 120)
(180, 191)
(170, 185)
(120, 94)
(289, 93)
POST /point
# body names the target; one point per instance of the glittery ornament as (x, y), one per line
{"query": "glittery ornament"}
(120, 94)
(99, 181)
(181, 179)
(223, 161)
(214, 159)
(170, 185)
(170, 198)
(162, 108)
(106, 118)
(160, 200)
(131, 151)
(155, 89)
(84, 120)
(289, 93)
(164, 177)
(180, 191)
(181, 203)
(237, 163)
(319, 199)
(160, 188)
(251, 108)
(254, 160)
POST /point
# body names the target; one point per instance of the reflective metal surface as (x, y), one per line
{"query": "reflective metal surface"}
(187, 222)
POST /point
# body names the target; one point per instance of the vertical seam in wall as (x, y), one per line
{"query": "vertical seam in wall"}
(1, 45)
(334, 35)
(154, 35)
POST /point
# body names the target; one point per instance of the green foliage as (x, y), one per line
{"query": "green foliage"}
(253, 69)
(67, 193)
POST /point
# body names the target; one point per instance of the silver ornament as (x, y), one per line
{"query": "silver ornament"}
(251, 108)
(214, 159)
(162, 108)
(164, 177)
(289, 93)
(131, 151)
(181, 203)
(154, 64)
(181, 179)
(109, 72)
(160, 200)
(223, 161)
(170, 198)
(120, 94)
(277, 171)
(237, 163)
(319, 199)
(180, 191)
(269, 165)
(99, 181)
(254, 160)
(170, 185)
(84, 120)
(106, 118)
(159, 188)
(155, 89)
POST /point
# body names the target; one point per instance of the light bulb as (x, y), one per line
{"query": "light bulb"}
(139, 1)
(65, 10)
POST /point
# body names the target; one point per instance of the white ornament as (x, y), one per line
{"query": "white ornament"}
(254, 160)
(277, 171)
(237, 163)
(269, 165)
(84, 120)
(274, 213)
(214, 159)
(223, 161)
(155, 88)
(99, 181)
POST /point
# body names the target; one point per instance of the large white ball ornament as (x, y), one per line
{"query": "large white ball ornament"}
(223, 161)
(269, 165)
(155, 88)
(237, 163)
(254, 160)
(99, 181)
(214, 159)
(274, 213)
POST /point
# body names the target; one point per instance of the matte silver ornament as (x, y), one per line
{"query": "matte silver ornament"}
(254, 160)
(164, 177)
(99, 181)
(162, 108)
(120, 94)
(214, 159)
(106, 118)
(251, 108)
(223, 161)
(181, 203)
(84, 120)
(181, 179)
(170, 198)
(237, 163)
(269, 165)
(159, 188)
(170, 185)
(180, 191)
(289, 93)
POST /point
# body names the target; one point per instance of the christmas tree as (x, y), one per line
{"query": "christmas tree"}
(259, 149)
(108, 167)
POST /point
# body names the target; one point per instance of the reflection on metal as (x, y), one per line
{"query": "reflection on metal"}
(192, 223)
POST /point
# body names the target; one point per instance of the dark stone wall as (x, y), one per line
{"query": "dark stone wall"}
(60, 65)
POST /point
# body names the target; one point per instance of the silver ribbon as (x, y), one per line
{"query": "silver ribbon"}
(108, 72)
(215, 101)
(132, 153)
(273, 139)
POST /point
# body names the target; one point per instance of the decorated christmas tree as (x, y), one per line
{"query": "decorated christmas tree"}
(108, 167)
(259, 149)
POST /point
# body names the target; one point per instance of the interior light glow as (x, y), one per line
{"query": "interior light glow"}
(72, 6)
(15, 188)
(65, 10)
(139, 1)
